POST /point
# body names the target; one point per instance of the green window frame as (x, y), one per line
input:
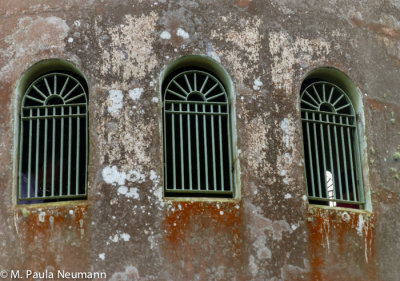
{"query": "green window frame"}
(197, 135)
(331, 146)
(53, 142)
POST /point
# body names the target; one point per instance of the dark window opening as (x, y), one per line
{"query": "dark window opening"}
(197, 136)
(332, 160)
(53, 140)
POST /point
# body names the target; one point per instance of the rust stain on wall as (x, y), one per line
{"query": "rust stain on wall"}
(53, 238)
(378, 28)
(335, 235)
(204, 235)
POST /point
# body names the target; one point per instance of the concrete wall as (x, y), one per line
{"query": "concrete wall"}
(267, 47)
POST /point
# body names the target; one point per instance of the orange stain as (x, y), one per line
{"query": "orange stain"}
(53, 236)
(336, 227)
(203, 235)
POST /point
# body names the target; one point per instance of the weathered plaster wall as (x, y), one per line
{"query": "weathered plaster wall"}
(126, 228)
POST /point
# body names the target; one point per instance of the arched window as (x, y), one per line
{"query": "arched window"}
(53, 139)
(197, 134)
(331, 148)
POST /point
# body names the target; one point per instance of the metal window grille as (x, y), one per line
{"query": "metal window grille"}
(53, 140)
(197, 136)
(332, 157)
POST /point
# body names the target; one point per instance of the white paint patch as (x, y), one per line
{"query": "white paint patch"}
(114, 238)
(115, 102)
(133, 193)
(136, 176)
(257, 84)
(136, 93)
(120, 237)
(70, 40)
(125, 236)
(345, 217)
(71, 212)
(42, 215)
(128, 192)
(182, 33)
(304, 197)
(165, 35)
(111, 175)
(294, 226)
(155, 100)
(285, 126)
(102, 256)
(253, 265)
(221, 212)
(157, 189)
(288, 196)
(122, 190)
(360, 225)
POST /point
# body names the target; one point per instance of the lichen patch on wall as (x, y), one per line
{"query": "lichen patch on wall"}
(130, 54)
(115, 102)
(245, 45)
(288, 52)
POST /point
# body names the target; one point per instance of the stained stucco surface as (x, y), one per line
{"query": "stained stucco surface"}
(126, 228)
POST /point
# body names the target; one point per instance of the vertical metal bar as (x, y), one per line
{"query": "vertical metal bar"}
(46, 113)
(316, 155)
(86, 147)
(181, 146)
(173, 145)
(197, 148)
(60, 193)
(310, 155)
(165, 145)
(189, 134)
(37, 152)
(213, 147)
(195, 81)
(205, 145)
(221, 159)
(78, 144)
(53, 150)
(21, 143)
(323, 153)
(358, 164)
(331, 157)
(29, 155)
(69, 150)
(337, 158)
(229, 136)
(349, 143)
(55, 84)
(344, 159)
